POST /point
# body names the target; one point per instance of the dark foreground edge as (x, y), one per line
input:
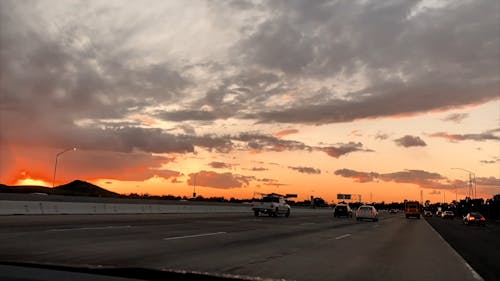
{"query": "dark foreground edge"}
(19, 271)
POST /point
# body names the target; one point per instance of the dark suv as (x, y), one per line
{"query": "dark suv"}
(342, 210)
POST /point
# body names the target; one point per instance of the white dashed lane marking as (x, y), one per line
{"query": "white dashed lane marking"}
(195, 235)
(89, 228)
(342, 236)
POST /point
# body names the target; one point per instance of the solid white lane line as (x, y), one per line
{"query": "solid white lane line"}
(195, 235)
(474, 273)
(342, 236)
(89, 228)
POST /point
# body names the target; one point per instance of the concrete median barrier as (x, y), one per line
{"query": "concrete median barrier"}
(8, 207)
(53, 208)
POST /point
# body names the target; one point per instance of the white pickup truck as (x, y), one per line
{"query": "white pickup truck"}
(272, 205)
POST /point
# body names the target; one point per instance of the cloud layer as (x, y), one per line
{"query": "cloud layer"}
(218, 180)
(421, 178)
(132, 81)
(486, 136)
(306, 170)
(409, 141)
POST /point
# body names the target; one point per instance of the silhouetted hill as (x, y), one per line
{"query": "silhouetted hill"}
(25, 189)
(82, 188)
(74, 188)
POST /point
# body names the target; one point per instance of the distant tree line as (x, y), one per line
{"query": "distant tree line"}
(489, 208)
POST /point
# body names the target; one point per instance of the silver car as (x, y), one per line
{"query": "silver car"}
(367, 212)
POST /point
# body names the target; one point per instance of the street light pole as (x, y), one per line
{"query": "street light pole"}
(194, 186)
(55, 165)
(472, 179)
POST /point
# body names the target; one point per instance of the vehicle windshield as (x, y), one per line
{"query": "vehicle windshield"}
(251, 139)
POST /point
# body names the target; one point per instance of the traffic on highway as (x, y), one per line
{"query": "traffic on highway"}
(375, 245)
(259, 140)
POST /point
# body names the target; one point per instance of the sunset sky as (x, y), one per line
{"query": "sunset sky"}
(377, 98)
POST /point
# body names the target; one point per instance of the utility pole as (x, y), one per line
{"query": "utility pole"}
(472, 190)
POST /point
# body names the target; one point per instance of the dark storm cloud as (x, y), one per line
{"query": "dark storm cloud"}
(436, 60)
(279, 46)
(77, 69)
(419, 177)
(100, 136)
(239, 93)
(379, 101)
(76, 72)
(306, 170)
(409, 141)
(54, 75)
(67, 68)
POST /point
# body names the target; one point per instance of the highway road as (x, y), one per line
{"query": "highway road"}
(308, 246)
(479, 246)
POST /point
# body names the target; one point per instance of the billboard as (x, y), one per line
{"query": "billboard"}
(343, 196)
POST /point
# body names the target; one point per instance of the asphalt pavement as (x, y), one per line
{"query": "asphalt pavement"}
(305, 246)
(478, 245)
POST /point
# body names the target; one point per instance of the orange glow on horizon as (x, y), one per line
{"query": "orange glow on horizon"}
(30, 181)
(30, 178)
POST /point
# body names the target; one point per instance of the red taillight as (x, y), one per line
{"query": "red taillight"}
(483, 219)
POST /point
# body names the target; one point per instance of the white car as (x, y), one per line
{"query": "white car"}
(447, 215)
(272, 205)
(367, 212)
